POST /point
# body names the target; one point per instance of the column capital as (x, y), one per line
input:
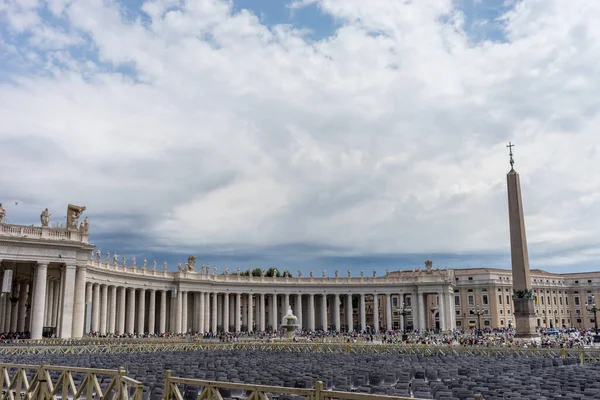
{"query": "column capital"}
(41, 264)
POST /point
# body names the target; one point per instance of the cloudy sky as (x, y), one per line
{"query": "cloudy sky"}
(306, 134)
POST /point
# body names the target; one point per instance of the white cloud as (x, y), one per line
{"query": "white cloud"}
(386, 137)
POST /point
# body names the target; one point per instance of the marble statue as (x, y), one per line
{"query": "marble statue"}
(323, 273)
(191, 264)
(73, 214)
(115, 259)
(239, 271)
(362, 273)
(133, 263)
(336, 273)
(124, 261)
(98, 254)
(349, 274)
(45, 218)
(2, 213)
(250, 272)
(262, 272)
(145, 264)
(215, 270)
(107, 256)
(154, 265)
(179, 266)
(387, 272)
(85, 225)
(226, 271)
(310, 273)
(165, 266)
(299, 274)
(374, 273)
(428, 266)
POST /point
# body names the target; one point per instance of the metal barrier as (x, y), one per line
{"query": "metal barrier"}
(210, 391)
(15, 383)
(583, 355)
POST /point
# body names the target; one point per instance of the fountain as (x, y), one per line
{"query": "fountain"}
(289, 323)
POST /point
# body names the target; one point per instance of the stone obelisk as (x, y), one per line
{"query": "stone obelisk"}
(524, 309)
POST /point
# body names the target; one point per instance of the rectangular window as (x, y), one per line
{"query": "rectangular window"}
(408, 301)
(542, 298)
(486, 322)
(590, 300)
(560, 300)
(471, 300)
(508, 312)
(576, 300)
(501, 312)
(566, 301)
(484, 300)
(507, 299)
(499, 299)
(457, 300)
(394, 301)
(548, 300)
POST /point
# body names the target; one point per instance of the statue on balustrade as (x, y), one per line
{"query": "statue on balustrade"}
(310, 273)
(336, 274)
(323, 273)
(191, 264)
(115, 259)
(226, 271)
(2, 213)
(154, 265)
(133, 263)
(349, 274)
(107, 256)
(362, 273)
(45, 218)
(73, 214)
(215, 270)
(84, 226)
(145, 264)
(179, 266)
(387, 272)
(124, 261)
(239, 271)
(299, 274)
(98, 254)
(165, 266)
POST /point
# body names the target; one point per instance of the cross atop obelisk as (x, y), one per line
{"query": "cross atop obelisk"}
(522, 294)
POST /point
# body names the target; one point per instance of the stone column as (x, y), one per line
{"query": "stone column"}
(336, 312)
(363, 313)
(442, 310)
(261, 308)
(376, 312)
(311, 312)
(152, 312)
(250, 313)
(131, 311)
(286, 303)
(112, 310)
(200, 314)
(2, 312)
(207, 311)
(184, 311)
(231, 312)
(122, 307)
(274, 316)
(103, 308)
(195, 313)
(23, 293)
(54, 318)
(324, 312)
(238, 308)
(88, 300)
(349, 313)
(451, 312)
(96, 307)
(226, 312)
(214, 312)
(15, 312)
(141, 311)
(178, 312)
(79, 298)
(388, 312)
(49, 304)
(422, 311)
(8, 314)
(298, 310)
(39, 301)
(244, 312)
(162, 323)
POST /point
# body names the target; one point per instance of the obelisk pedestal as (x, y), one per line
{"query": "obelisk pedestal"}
(524, 303)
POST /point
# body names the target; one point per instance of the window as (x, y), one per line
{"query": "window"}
(576, 298)
(560, 300)
(470, 290)
(576, 281)
(566, 301)
(501, 312)
(554, 300)
(486, 322)
(458, 323)
(501, 322)
(394, 301)
(508, 312)
(542, 298)
(499, 299)
(486, 312)
(457, 313)
(548, 300)
(484, 300)
(470, 278)
(589, 281)
(457, 300)
(408, 301)
(471, 300)
(590, 300)
(507, 299)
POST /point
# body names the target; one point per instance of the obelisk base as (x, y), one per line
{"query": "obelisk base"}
(525, 319)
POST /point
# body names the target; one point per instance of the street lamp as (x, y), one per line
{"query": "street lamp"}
(592, 307)
(402, 311)
(479, 312)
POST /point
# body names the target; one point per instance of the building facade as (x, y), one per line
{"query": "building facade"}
(55, 282)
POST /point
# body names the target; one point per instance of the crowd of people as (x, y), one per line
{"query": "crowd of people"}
(556, 338)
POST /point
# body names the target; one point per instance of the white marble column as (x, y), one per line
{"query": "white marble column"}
(451, 310)
(122, 312)
(238, 309)
(250, 313)
(162, 317)
(363, 313)
(112, 310)
(311, 312)
(152, 312)
(23, 293)
(141, 312)
(49, 304)
(324, 312)
(39, 301)
(422, 311)
(261, 310)
(226, 312)
(207, 311)
(200, 315)
(336, 312)
(131, 311)
(388, 312)
(184, 312)
(375, 312)
(178, 312)
(214, 304)
(103, 308)
(349, 313)
(442, 310)
(79, 302)
(274, 316)
(286, 304)
(298, 310)
(195, 313)
(96, 307)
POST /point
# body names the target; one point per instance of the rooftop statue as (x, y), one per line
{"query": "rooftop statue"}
(45, 218)
(191, 264)
(154, 265)
(2, 213)
(98, 254)
(133, 263)
(145, 264)
(165, 266)
(73, 214)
